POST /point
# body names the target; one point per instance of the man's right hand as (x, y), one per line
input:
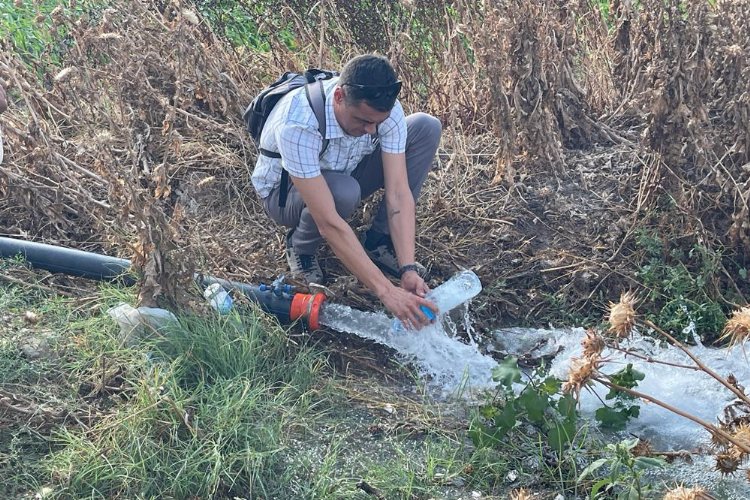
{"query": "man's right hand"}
(405, 306)
(3, 99)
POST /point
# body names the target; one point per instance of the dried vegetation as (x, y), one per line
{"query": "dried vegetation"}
(566, 132)
(730, 435)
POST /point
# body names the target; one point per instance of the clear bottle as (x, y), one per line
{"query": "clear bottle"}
(218, 297)
(461, 287)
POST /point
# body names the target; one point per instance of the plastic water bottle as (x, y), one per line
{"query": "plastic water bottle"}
(460, 288)
(218, 297)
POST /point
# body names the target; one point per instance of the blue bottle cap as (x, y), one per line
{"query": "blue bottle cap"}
(428, 312)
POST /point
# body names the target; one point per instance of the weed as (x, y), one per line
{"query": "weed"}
(544, 420)
(680, 286)
(625, 472)
(32, 27)
(240, 22)
(615, 417)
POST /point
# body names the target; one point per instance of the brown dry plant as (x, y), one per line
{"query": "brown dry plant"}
(581, 374)
(684, 493)
(622, 315)
(737, 329)
(520, 494)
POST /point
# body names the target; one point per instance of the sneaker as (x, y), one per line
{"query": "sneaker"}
(383, 254)
(306, 266)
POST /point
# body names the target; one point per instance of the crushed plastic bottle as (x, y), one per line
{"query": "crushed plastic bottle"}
(461, 287)
(218, 297)
(137, 323)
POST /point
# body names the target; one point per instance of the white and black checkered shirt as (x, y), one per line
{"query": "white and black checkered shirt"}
(292, 130)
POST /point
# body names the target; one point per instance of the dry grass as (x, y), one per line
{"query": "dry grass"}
(560, 139)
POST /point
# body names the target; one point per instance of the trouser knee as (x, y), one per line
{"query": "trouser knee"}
(424, 129)
(346, 193)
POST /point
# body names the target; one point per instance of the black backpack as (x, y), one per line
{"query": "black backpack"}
(257, 112)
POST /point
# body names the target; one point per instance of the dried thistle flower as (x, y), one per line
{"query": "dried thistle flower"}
(738, 326)
(682, 493)
(581, 372)
(741, 435)
(593, 344)
(522, 494)
(622, 315)
(727, 463)
(719, 442)
(643, 448)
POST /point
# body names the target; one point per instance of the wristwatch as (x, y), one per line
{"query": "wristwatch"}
(406, 268)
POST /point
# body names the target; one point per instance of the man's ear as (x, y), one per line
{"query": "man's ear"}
(338, 95)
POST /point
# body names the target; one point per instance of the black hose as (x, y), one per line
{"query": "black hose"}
(68, 260)
(99, 267)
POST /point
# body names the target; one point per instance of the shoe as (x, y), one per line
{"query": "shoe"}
(305, 266)
(379, 248)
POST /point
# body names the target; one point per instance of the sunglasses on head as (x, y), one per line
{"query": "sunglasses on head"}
(373, 92)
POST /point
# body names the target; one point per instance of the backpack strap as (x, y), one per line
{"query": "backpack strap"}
(317, 101)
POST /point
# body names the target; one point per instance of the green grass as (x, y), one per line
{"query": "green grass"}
(215, 407)
(214, 403)
(31, 31)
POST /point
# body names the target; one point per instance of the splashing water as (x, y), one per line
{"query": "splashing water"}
(689, 390)
(441, 357)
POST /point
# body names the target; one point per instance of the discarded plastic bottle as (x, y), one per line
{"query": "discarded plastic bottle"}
(460, 288)
(218, 297)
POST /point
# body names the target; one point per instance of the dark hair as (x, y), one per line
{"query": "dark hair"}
(372, 79)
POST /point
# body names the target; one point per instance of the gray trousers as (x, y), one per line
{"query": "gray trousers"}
(422, 139)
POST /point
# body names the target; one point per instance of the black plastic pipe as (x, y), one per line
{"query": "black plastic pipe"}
(67, 260)
(99, 267)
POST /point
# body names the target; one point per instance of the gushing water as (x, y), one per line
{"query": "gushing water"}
(689, 390)
(441, 357)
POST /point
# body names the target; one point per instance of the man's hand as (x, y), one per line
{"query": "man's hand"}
(3, 99)
(405, 306)
(412, 282)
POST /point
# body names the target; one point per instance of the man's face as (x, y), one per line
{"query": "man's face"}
(356, 120)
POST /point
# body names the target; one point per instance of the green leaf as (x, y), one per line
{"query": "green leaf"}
(610, 418)
(551, 385)
(591, 468)
(649, 462)
(628, 377)
(507, 372)
(506, 419)
(633, 494)
(534, 403)
(598, 486)
(567, 405)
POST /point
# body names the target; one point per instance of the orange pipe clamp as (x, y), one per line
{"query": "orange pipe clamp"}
(306, 306)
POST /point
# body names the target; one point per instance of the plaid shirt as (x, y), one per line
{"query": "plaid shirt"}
(292, 130)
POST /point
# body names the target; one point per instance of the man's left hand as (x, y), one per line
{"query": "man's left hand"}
(411, 281)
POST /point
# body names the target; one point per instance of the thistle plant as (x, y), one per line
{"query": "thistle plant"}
(737, 329)
(730, 437)
(682, 493)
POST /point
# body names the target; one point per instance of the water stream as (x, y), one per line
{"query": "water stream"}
(446, 362)
(689, 390)
(450, 365)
